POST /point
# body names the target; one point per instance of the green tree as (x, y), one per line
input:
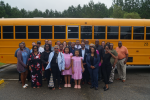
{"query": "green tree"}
(133, 15)
(117, 12)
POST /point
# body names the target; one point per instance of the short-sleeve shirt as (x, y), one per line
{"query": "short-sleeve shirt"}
(112, 60)
(122, 52)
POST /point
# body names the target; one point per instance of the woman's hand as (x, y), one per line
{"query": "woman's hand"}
(50, 69)
(47, 63)
(62, 70)
(72, 71)
(93, 67)
(108, 51)
(82, 70)
(30, 68)
(26, 66)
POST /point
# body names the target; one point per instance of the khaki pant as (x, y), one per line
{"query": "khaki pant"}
(121, 67)
(112, 74)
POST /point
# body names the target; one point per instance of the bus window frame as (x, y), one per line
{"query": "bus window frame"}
(19, 32)
(72, 32)
(86, 32)
(124, 32)
(58, 32)
(146, 32)
(7, 32)
(113, 32)
(99, 32)
(34, 32)
(47, 32)
(143, 32)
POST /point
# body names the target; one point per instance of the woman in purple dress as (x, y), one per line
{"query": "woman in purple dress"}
(68, 70)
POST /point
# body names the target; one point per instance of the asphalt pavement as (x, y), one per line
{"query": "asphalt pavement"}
(136, 87)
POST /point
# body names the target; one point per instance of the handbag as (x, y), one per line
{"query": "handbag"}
(51, 83)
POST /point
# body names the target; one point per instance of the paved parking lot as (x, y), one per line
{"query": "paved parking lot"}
(137, 87)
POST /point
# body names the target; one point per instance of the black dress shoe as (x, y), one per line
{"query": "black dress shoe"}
(92, 87)
(96, 88)
(106, 89)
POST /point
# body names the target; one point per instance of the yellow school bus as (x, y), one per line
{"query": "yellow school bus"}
(134, 34)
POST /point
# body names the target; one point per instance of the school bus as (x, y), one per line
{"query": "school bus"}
(134, 34)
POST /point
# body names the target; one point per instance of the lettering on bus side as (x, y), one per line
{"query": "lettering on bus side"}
(146, 44)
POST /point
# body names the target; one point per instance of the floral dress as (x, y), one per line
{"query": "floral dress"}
(36, 69)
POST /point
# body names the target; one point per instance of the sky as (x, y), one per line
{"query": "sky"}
(58, 5)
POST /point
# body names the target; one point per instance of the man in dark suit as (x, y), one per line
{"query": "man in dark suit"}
(83, 53)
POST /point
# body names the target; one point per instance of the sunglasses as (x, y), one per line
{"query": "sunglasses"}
(34, 48)
(55, 48)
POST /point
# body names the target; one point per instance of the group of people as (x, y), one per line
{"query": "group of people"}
(71, 63)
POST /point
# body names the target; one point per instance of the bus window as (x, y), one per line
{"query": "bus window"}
(33, 32)
(138, 33)
(46, 32)
(99, 32)
(148, 33)
(0, 32)
(86, 32)
(112, 32)
(59, 32)
(7, 32)
(125, 32)
(20, 32)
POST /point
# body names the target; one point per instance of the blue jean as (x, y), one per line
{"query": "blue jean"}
(94, 76)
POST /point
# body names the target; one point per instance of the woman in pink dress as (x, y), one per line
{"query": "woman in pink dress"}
(68, 70)
(77, 69)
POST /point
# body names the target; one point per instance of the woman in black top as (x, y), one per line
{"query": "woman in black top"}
(92, 61)
(106, 66)
(44, 57)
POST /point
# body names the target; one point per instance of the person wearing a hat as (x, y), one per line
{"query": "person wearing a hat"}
(40, 48)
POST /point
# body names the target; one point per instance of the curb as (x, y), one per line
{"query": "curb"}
(1, 81)
(4, 66)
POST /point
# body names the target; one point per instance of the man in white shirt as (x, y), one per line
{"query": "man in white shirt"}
(40, 48)
(78, 46)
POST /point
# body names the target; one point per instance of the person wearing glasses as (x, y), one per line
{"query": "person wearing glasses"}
(35, 66)
(56, 64)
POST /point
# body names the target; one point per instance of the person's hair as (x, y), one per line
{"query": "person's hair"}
(82, 42)
(33, 48)
(58, 41)
(77, 50)
(49, 40)
(33, 42)
(56, 46)
(49, 47)
(77, 40)
(61, 44)
(72, 42)
(20, 44)
(92, 44)
(107, 46)
(66, 48)
(111, 43)
(95, 54)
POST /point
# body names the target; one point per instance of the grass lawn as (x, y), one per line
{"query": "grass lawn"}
(1, 64)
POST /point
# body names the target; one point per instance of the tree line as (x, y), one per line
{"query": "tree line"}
(119, 9)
